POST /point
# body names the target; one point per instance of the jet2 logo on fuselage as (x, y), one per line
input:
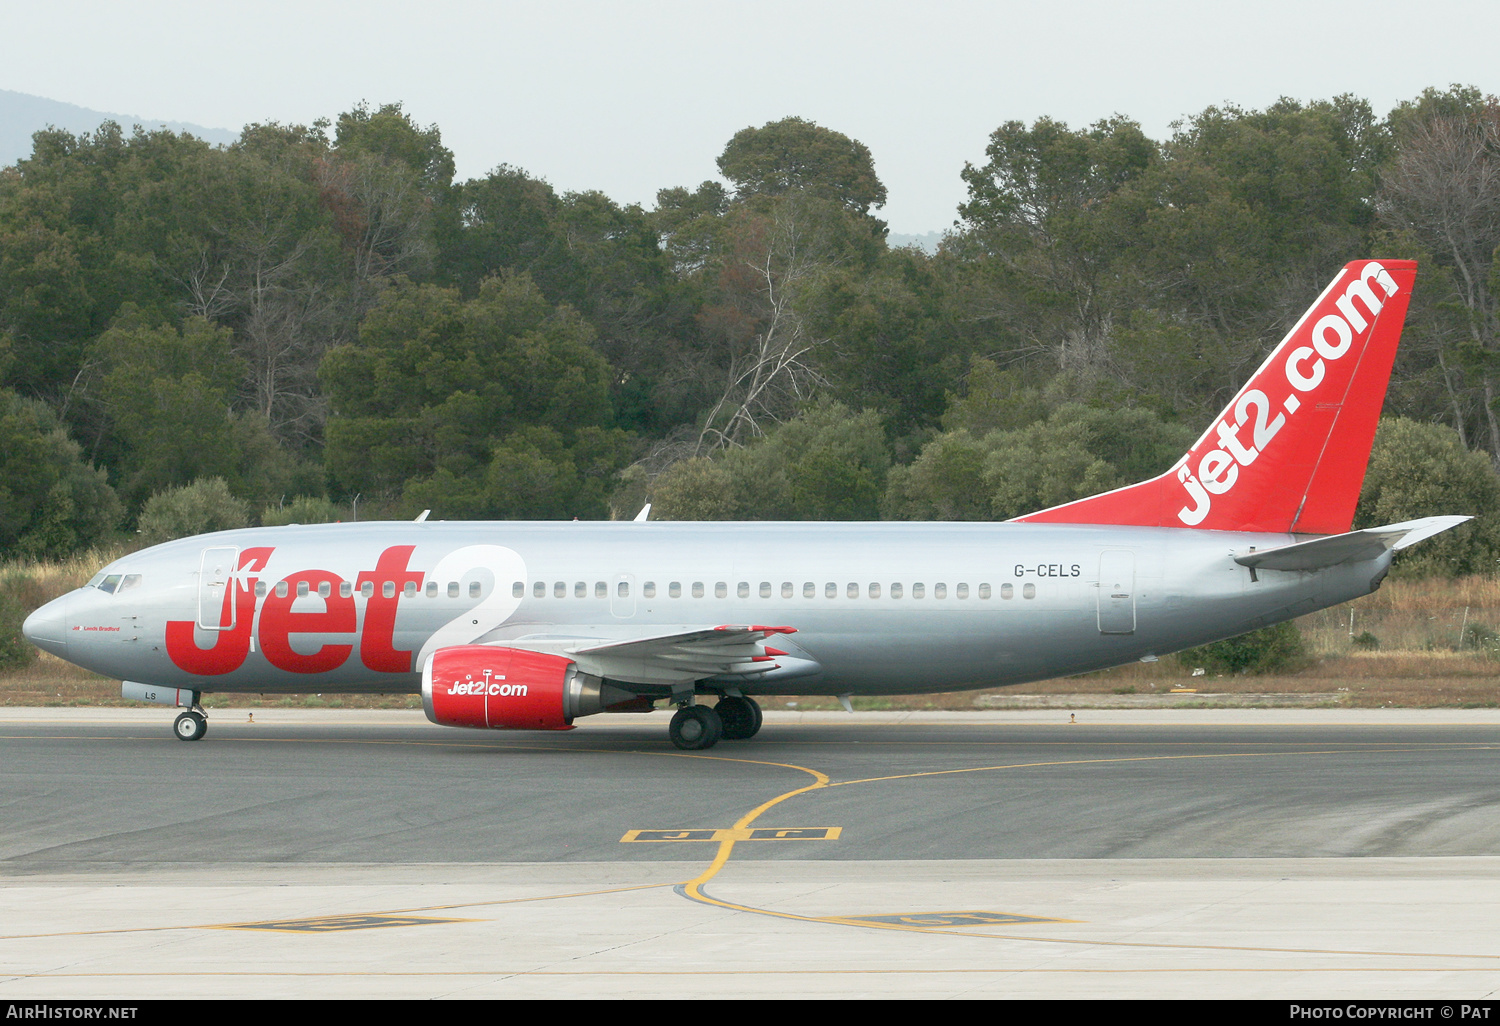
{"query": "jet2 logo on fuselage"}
(277, 623)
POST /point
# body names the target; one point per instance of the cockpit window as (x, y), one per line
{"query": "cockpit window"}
(130, 581)
(109, 584)
(94, 581)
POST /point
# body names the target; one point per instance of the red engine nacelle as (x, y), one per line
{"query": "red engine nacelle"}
(488, 686)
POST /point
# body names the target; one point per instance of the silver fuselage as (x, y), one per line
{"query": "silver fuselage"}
(877, 607)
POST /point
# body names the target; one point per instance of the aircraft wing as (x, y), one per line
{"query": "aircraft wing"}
(727, 651)
(1345, 548)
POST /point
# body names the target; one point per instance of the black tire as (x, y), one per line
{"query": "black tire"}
(695, 728)
(190, 726)
(741, 716)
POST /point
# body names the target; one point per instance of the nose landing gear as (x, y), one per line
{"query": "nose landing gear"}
(190, 726)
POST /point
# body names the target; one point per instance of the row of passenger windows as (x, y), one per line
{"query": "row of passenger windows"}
(809, 589)
(580, 589)
(367, 589)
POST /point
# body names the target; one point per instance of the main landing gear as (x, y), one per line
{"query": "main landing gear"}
(191, 725)
(697, 727)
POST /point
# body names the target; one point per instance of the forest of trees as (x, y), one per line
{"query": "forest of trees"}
(318, 323)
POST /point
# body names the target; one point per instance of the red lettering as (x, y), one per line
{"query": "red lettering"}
(377, 637)
(278, 623)
(230, 647)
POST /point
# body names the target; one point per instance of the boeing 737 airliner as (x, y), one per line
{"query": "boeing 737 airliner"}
(533, 625)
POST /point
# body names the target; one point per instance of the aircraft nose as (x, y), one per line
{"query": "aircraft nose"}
(47, 628)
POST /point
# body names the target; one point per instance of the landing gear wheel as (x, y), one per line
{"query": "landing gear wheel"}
(695, 727)
(741, 717)
(190, 726)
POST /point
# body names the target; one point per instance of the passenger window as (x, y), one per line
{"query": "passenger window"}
(721, 590)
(410, 591)
(765, 589)
(325, 589)
(388, 589)
(302, 589)
(345, 589)
(367, 589)
(109, 584)
(895, 591)
(918, 591)
(648, 590)
(830, 590)
(518, 589)
(675, 589)
(601, 590)
(742, 590)
(281, 589)
(623, 589)
(1028, 591)
(963, 591)
(874, 590)
(809, 589)
(559, 589)
(984, 591)
(453, 589)
(475, 589)
(852, 590)
(697, 589)
(538, 589)
(939, 591)
(260, 589)
(786, 589)
(1007, 591)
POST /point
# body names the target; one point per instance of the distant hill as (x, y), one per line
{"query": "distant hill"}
(22, 114)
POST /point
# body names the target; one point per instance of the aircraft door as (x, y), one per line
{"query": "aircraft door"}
(214, 576)
(1117, 592)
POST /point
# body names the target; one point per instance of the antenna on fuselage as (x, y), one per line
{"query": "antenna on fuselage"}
(644, 515)
(421, 516)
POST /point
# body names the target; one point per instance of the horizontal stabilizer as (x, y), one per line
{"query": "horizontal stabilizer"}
(1353, 547)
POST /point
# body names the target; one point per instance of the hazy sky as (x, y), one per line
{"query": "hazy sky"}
(629, 97)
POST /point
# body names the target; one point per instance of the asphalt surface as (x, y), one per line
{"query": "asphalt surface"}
(122, 794)
(1155, 855)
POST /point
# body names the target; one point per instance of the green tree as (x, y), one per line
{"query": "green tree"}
(1077, 451)
(1440, 194)
(440, 394)
(827, 463)
(197, 508)
(1422, 470)
(168, 394)
(794, 155)
(52, 502)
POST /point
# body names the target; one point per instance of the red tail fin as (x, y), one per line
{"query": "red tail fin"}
(1289, 453)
